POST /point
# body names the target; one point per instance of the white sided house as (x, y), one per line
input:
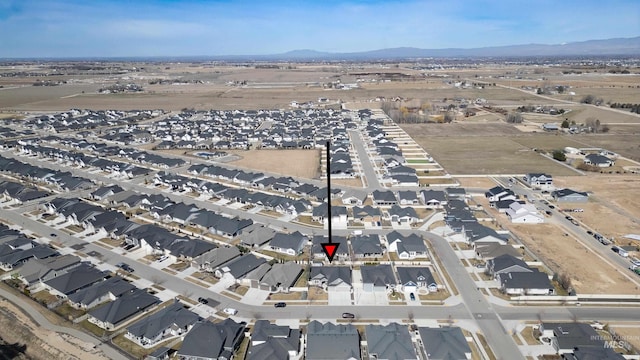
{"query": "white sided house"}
(524, 214)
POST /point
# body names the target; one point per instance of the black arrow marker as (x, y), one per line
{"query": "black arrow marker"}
(329, 248)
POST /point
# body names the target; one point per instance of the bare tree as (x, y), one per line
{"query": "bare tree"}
(514, 118)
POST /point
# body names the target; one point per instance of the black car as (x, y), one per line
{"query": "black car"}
(280, 304)
(551, 207)
(202, 300)
(53, 235)
(589, 232)
(347, 315)
(125, 267)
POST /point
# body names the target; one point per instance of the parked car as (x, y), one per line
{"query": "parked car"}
(125, 267)
(412, 297)
(280, 304)
(230, 311)
(347, 315)
(551, 206)
(589, 232)
(163, 258)
(202, 300)
(53, 235)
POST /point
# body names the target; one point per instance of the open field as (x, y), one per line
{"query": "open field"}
(488, 155)
(18, 328)
(498, 147)
(565, 255)
(300, 163)
(617, 212)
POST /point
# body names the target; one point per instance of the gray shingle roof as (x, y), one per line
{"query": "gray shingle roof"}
(124, 307)
(390, 342)
(446, 343)
(329, 341)
(78, 278)
(173, 315)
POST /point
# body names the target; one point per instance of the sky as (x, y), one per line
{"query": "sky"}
(119, 28)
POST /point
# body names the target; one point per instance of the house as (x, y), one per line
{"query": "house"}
(354, 197)
(539, 181)
(570, 196)
(367, 215)
(281, 277)
(476, 232)
(525, 283)
(407, 197)
(239, 267)
(403, 215)
(524, 213)
(565, 337)
(342, 252)
(491, 250)
(289, 244)
(377, 278)
(390, 342)
(456, 193)
(328, 341)
(444, 343)
(593, 353)
(271, 342)
(79, 277)
(331, 278)
(112, 314)
(433, 199)
(407, 247)
(505, 264)
(256, 235)
(100, 292)
(413, 279)
(550, 127)
(384, 198)
(41, 270)
(500, 193)
(215, 258)
(598, 160)
(174, 320)
(338, 215)
(367, 246)
(209, 341)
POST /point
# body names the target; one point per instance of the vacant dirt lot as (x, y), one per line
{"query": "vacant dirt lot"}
(16, 327)
(301, 163)
(486, 155)
(564, 254)
(612, 209)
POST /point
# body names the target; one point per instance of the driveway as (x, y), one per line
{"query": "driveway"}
(337, 298)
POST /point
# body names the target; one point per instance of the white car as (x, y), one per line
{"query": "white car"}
(230, 311)
(163, 258)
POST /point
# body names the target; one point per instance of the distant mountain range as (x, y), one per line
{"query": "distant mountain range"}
(618, 46)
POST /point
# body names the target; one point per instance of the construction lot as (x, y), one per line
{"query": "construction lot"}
(299, 163)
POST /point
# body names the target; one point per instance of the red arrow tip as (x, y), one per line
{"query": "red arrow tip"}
(330, 250)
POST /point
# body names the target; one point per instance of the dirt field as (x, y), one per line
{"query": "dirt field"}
(563, 254)
(476, 182)
(300, 163)
(43, 344)
(611, 209)
(486, 155)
